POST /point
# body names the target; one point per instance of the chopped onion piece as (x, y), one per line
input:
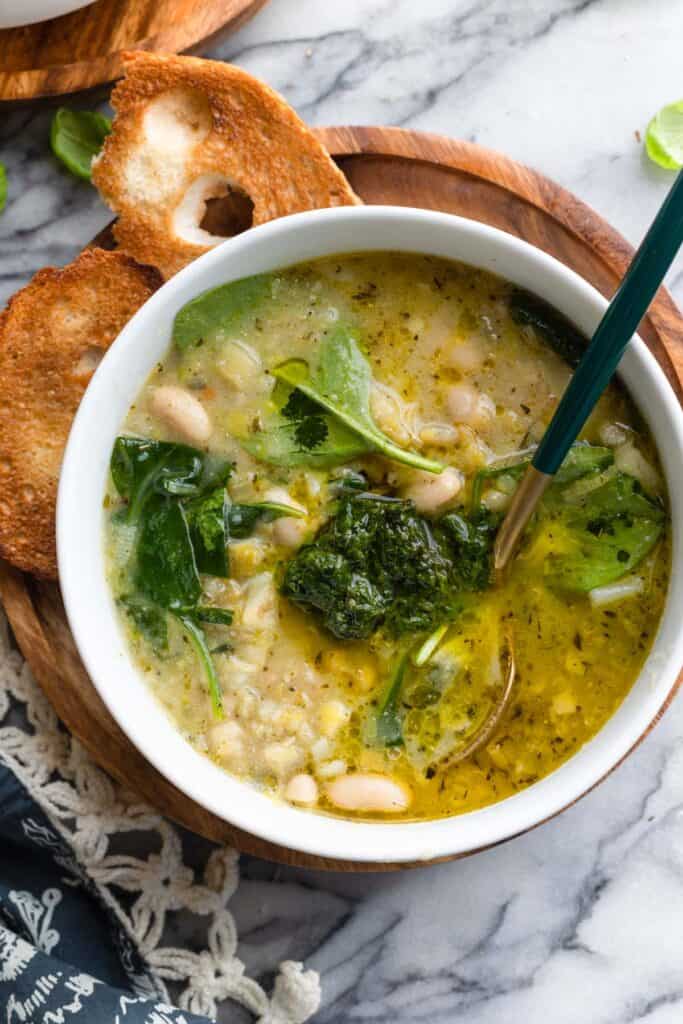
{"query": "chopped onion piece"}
(619, 591)
(629, 460)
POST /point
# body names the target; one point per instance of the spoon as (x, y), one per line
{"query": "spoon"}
(488, 727)
(599, 362)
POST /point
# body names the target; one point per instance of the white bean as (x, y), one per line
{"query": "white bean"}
(182, 413)
(370, 792)
(240, 364)
(302, 789)
(468, 355)
(289, 531)
(226, 741)
(430, 491)
(468, 405)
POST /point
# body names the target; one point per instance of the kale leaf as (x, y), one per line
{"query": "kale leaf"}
(142, 468)
(243, 518)
(207, 517)
(166, 570)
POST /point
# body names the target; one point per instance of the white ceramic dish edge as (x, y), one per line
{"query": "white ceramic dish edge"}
(19, 13)
(90, 608)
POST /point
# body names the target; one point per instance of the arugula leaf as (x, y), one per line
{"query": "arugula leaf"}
(166, 571)
(604, 537)
(76, 136)
(207, 517)
(664, 137)
(387, 726)
(223, 308)
(243, 518)
(3, 187)
(341, 384)
(141, 468)
(198, 640)
(560, 333)
(149, 620)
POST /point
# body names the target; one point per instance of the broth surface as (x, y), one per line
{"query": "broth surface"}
(456, 379)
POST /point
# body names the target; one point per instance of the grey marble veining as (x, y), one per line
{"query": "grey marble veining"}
(581, 921)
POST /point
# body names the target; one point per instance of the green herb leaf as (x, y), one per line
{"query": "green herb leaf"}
(198, 640)
(220, 309)
(560, 333)
(582, 460)
(141, 468)
(215, 616)
(76, 136)
(388, 728)
(341, 384)
(243, 518)
(280, 444)
(3, 187)
(166, 570)
(664, 137)
(207, 517)
(606, 535)
(149, 620)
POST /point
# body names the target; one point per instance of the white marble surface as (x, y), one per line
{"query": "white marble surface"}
(581, 921)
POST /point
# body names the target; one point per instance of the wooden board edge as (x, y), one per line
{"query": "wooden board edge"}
(22, 86)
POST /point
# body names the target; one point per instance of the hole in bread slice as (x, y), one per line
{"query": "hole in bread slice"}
(212, 209)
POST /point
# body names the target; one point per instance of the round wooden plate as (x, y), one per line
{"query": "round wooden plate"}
(384, 165)
(83, 49)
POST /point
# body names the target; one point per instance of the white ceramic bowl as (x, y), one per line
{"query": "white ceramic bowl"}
(14, 13)
(80, 535)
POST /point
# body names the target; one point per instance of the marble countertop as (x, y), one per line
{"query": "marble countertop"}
(578, 922)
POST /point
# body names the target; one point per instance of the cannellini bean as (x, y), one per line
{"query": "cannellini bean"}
(468, 405)
(302, 789)
(442, 434)
(466, 356)
(388, 413)
(430, 491)
(182, 412)
(496, 501)
(368, 792)
(260, 606)
(226, 741)
(289, 531)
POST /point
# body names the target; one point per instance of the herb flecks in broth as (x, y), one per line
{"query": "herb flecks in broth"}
(318, 571)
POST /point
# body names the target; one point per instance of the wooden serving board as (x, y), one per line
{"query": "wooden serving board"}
(384, 165)
(83, 49)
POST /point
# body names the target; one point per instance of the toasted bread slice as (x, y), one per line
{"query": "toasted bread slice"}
(52, 336)
(187, 131)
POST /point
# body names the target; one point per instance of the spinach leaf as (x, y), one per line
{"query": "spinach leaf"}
(560, 333)
(76, 136)
(214, 616)
(207, 518)
(3, 187)
(605, 536)
(388, 728)
(198, 640)
(243, 518)
(149, 619)
(141, 468)
(166, 570)
(280, 443)
(341, 384)
(223, 308)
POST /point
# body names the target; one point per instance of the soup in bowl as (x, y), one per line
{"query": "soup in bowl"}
(302, 483)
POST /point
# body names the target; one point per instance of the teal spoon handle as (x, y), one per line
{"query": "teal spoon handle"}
(615, 330)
